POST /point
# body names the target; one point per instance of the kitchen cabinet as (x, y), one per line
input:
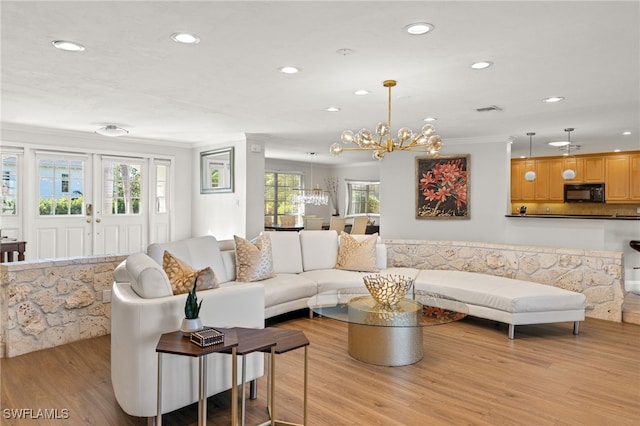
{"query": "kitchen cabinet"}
(556, 183)
(521, 189)
(548, 185)
(616, 178)
(619, 172)
(634, 179)
(577, 165)
(594, 169)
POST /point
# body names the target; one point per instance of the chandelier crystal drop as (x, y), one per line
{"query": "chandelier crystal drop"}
(314, 196)
(382, 142)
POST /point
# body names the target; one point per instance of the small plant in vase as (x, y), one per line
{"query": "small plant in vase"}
(191, 321)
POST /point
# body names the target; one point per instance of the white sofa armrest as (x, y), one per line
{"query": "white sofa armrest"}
(136, 326)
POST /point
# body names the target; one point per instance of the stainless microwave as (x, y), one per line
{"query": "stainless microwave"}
(584, 193)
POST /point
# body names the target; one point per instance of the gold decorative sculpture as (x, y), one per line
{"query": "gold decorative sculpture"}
(388, 289)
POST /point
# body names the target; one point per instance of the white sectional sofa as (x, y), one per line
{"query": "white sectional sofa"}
(143, 305)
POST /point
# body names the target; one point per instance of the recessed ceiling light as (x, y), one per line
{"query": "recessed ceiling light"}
(419, 28)
(430, 119)
(553, 99)
(186, 38)
(627, 133)
(333, 109)
(289, 70)
(345, 51)
(111, 131)
(69, 46)
(558, 143)
(480, 65)
(361, 92)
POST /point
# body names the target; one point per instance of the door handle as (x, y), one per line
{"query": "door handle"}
(89, 209)
(88, 220)
(98, 220)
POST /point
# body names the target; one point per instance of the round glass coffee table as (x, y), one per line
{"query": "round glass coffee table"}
(382, 334)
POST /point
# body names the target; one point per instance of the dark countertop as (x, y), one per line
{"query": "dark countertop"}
(576, 216)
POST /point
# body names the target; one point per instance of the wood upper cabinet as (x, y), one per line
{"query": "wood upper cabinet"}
(619, 172)
(577, 165)
(541, 184)
(616, 178)
(634, 179)
(521, 189)
(556, 183)
(594, 169)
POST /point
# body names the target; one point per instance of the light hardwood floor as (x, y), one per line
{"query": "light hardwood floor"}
(470, 374)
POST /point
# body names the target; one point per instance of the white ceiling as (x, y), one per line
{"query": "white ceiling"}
(133, 75)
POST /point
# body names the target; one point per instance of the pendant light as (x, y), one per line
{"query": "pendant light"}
(569, 174)
(530, 175)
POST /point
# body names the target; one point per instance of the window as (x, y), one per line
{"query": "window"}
(122, 183)
(61, 186)
(363, 198)
(278, 188)
(9, 184)
(162, 172)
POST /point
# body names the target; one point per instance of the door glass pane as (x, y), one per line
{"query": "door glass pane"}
(9, 184)
(61, 187)
(122, 186)
(161, 188)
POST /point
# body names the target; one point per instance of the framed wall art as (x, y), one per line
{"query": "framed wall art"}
(442, 187)
(216, 171)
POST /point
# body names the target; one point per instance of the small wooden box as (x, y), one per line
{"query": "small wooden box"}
(207, 337)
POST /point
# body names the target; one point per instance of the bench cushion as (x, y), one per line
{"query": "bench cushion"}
(499, 293)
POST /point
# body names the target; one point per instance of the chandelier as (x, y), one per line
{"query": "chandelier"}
(424, 141)
(315, 196)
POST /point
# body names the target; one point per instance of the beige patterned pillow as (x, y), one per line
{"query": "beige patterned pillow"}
(182, 276)
(355, 256)
(253, 261)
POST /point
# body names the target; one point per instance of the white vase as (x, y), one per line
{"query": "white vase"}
(190, 325)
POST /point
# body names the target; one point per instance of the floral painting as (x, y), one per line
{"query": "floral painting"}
(442, 187)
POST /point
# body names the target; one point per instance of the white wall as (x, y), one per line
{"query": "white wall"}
(488, 186)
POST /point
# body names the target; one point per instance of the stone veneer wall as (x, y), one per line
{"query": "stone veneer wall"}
(596, 274)
(47, 303)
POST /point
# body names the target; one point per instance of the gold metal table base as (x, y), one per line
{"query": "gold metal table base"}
(389, 346)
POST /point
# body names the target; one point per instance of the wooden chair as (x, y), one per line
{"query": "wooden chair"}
(337, 224)
(359, 225)
(313, 223)
(288, 221)
(268, 221)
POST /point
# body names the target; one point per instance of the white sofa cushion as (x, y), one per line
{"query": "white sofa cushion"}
(287, 287)
(199, 252)
(331, 279)
(148, 279)
(319, 249)
(286, 252)
(500, 293)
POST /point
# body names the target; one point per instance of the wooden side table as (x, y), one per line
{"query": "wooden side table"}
(251, 340)
(9, 247)
(177, 344)
(286, 340)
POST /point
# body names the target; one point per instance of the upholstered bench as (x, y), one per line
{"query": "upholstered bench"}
(511, 301)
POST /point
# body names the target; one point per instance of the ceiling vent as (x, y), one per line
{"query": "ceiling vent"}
(489, 108)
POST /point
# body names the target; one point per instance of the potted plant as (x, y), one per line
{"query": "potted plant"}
(191, 321)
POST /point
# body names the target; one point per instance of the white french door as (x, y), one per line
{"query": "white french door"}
(93, 204)
(62, 224)
(121, 210)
